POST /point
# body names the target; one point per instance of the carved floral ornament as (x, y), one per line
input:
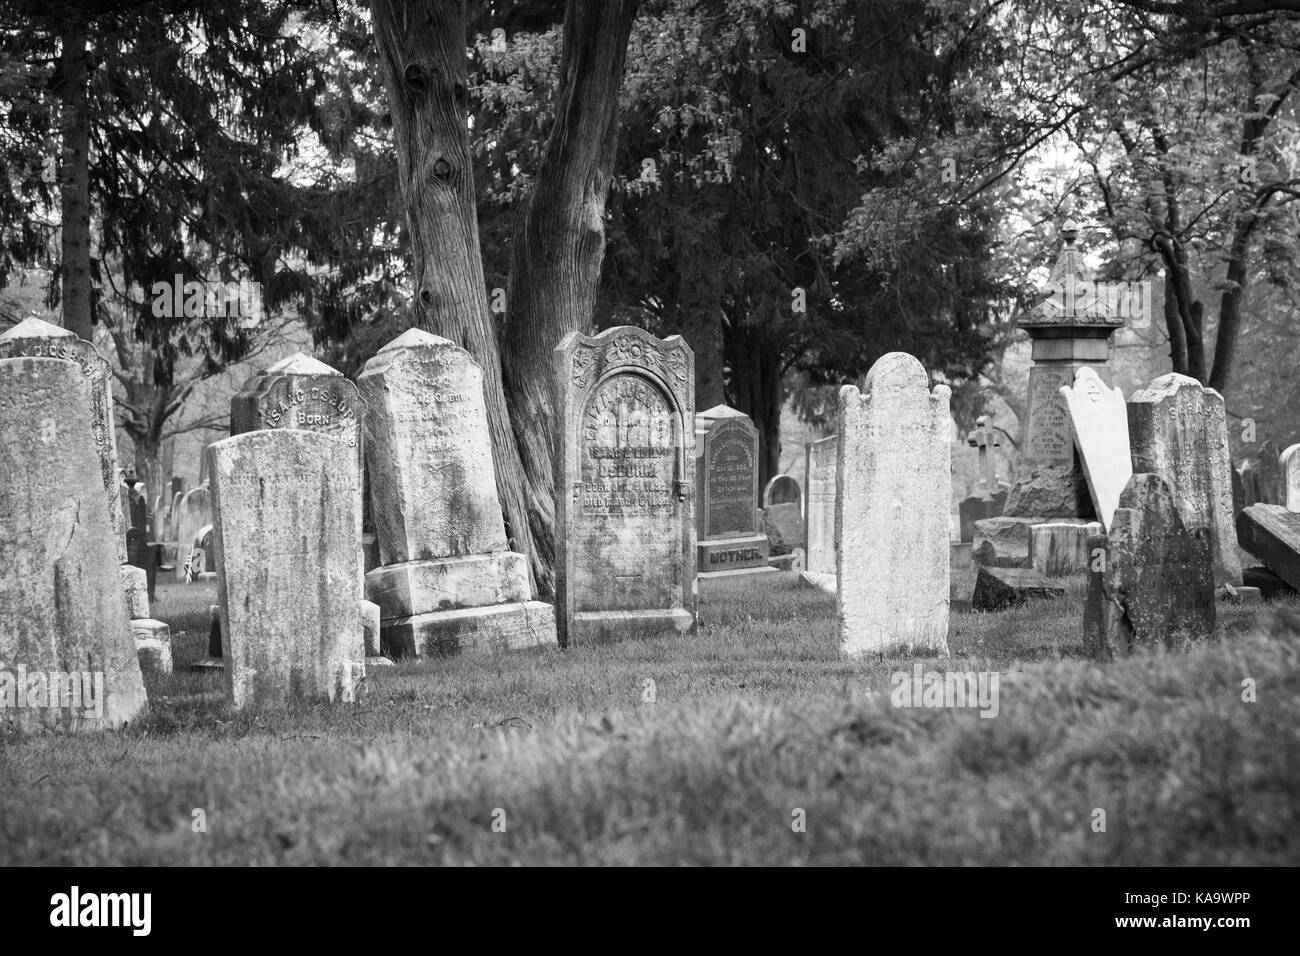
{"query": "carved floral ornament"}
(628, 350)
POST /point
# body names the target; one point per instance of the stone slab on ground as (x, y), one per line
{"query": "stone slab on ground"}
(1060, 548)
(997, 589)
(1272, 534)
(1271, 587)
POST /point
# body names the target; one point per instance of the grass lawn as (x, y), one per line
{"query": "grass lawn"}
(753, 720)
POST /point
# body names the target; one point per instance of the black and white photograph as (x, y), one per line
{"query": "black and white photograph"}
(651, 433)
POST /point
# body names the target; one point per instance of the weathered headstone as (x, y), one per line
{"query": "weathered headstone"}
(449, 581)
(782, 490)
(194, 513)
(821, 464)
(62, 610)
(1057, 549)
(624, 484)
(1290, 462)
(1099, 421)
(40, 339)
(784, 527)
(299, 392)
(1272, 534)
(891, 514)
(1154, 582)
(1178, 431)
(729, 539)
(288, 515)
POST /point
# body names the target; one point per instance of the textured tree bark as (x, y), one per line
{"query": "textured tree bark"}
(74, 181)
(702, 329)
(756, 387)
(558, 248)
(422, 59)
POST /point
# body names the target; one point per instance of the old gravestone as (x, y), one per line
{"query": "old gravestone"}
(288, 512)
(1290, 462)
(1177, 430)
(448, 581)
(821, 466)
(298, 392)
(1152, 580)
(891, 514)
(989, 497)
(1099, 421)
(624, 483)
(783, 515)
(729, 539)
(62, 608)
(194, 513)
(37, 338)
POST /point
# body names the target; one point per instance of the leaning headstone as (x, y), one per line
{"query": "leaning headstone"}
(729, 538)
(1178, 431)
(821, 462)
(63, 615)
(782, 490)
(1272, 534)
(997, 589)
(288, 513)
(1099, 422)
(195, 513)
(40, 339)
(891, 514)
(1153, 584)
(448, 581)
(1290, 462)
(624, 486)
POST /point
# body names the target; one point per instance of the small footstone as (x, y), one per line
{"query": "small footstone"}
(1269, 584)
(370, 618)
(153, 645)
(999, 588)
(1272, 534)
(135, 585)
(1240, 595)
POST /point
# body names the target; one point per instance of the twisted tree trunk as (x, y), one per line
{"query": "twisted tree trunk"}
(559, 245)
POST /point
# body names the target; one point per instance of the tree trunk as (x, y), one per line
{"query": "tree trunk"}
(1225, 347)
(74, 181)
(756, 389)
(422, 59)
(558, 248)
(702, 329)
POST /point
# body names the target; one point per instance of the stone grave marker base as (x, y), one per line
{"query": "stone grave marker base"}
(999, 588)
(471, 630)
(597, 627)
(444, 584)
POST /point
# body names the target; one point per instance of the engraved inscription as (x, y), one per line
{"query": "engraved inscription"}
(731, 484)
